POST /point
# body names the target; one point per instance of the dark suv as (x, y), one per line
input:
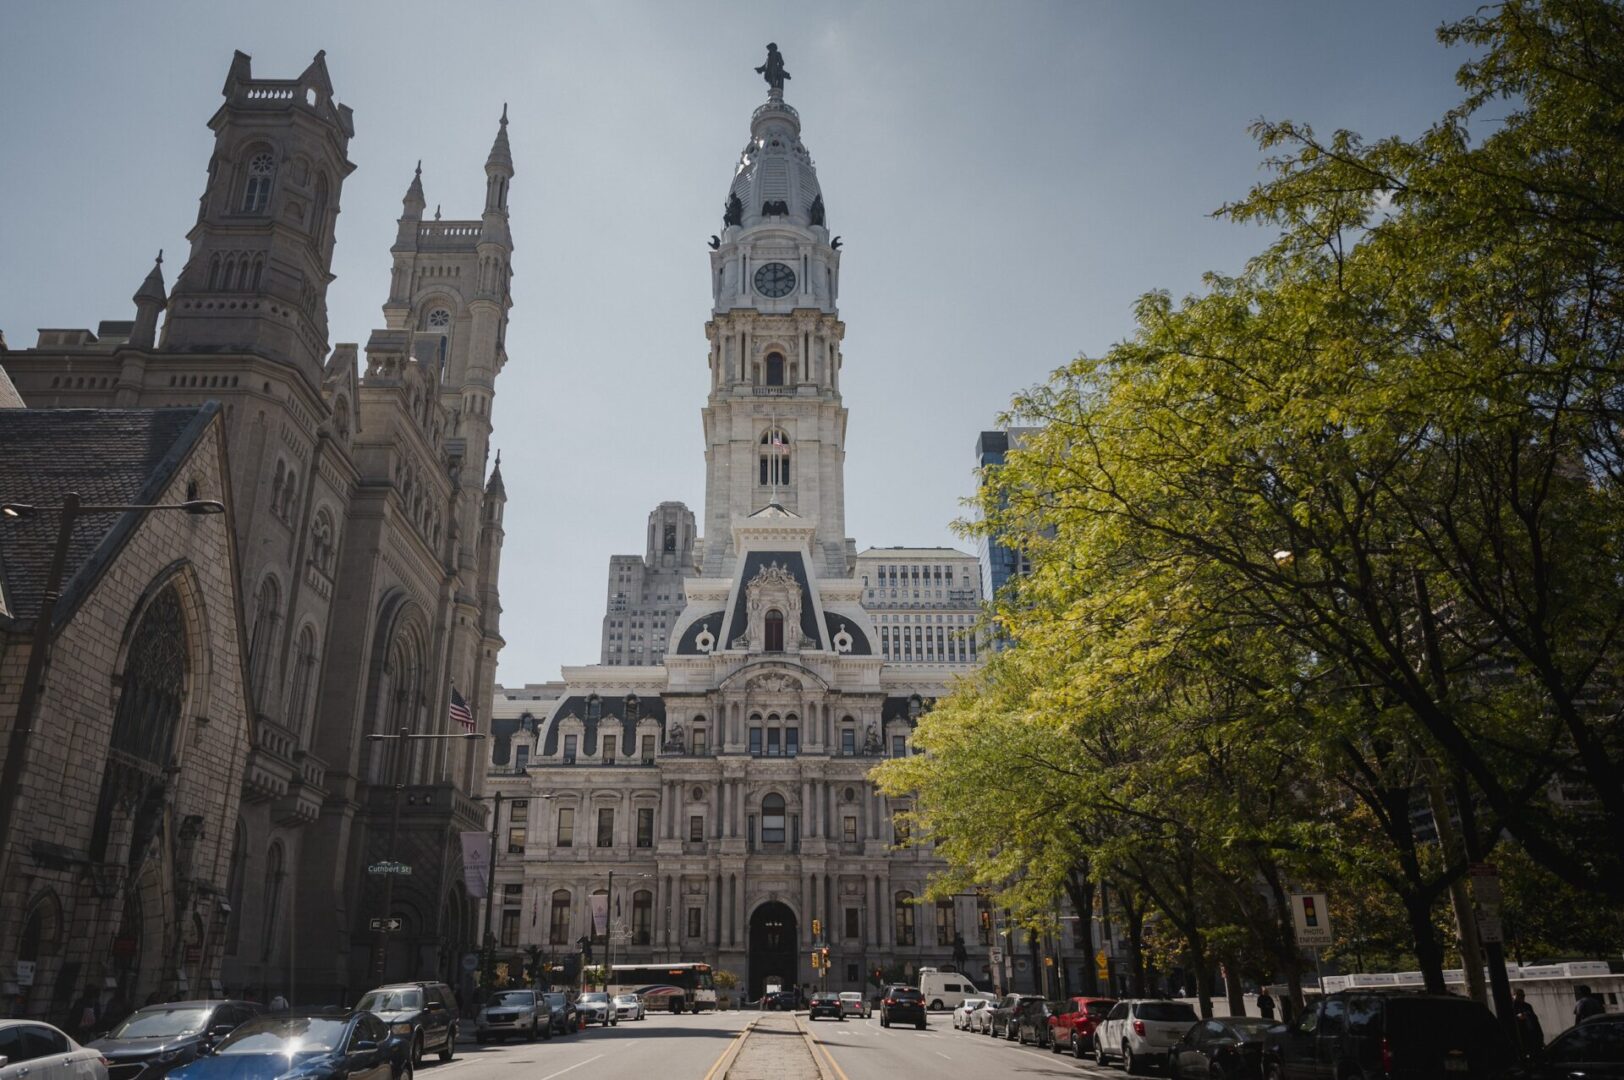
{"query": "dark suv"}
(1363, 1033)
(150, 1042)
(903, 1005)
(1004, 1016)
(560, 1011)
(426, 1012)
(1032, 1022)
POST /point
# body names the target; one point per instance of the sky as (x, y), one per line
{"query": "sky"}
(1007, 178)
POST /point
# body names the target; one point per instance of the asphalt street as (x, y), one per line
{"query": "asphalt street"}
(663, 1047)
(862, 1050)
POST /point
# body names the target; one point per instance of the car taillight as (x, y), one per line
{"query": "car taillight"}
(1387, 1056)
(1139, 1028)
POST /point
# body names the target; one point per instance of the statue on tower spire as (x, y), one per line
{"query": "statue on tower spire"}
(773, 70)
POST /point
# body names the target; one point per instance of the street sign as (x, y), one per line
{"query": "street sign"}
(1102, 965)
(1486, 896)
(1311, 918)
(470, 962)
(25, 973)
(995, 956)
(389, 867)
(378, 922)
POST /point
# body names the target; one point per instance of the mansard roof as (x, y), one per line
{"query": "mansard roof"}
(754, 563)
(614, 720)
(688, 644)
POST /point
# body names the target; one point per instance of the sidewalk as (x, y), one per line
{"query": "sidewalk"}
(775, 1049)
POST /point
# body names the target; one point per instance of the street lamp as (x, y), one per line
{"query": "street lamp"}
(28, 697)
(404, 736)
(609, 924)
(489, 943)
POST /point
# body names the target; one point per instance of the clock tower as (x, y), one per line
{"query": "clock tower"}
(775, 428)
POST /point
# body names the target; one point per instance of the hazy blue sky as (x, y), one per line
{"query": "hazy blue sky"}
(1008, 177)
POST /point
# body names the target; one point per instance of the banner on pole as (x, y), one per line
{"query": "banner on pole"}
(476, 861)
(599, 903)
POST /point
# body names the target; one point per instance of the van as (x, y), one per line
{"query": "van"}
(946, 989)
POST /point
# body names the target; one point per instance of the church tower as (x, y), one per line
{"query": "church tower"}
(775, 428)
(262, 247)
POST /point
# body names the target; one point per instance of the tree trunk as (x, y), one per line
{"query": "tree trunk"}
(1080, 889)
(1234, 992)
(1428, 952)
(1133, 917)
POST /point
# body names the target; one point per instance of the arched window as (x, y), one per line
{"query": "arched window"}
(272, 898)
(642, 917)
(773, 624)
(775, 369)
(772, 820)
(278, 482)
(775, 455)
(257, 192)
(558, 923)
(304, 682)
(594, 707)
(318, 220)
(214, 272)
(905, 918)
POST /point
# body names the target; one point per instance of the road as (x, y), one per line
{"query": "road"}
(688, 1047)
(663, 1047)
(862, 1050)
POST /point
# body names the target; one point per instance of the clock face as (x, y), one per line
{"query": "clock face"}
(775, 280)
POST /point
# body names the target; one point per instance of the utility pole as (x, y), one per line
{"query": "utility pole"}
(489, 959)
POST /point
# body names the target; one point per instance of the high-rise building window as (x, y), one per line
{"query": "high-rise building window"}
(696, 922)
(772, 819)
(642, 916)
(566, 826)
(946, 924)
(648, 749)
(558, 926)
(849, 830)
(772, 742)
(774, 627)
(569, 749)
(755, 741)
(899, 746)
(608, 749)
(848, 741)
(905, 918)
(645, 826)
(854, 924)
(606, 826)
(792, 741)
(696, 828)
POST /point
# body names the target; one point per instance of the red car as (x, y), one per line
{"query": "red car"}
(1071, 1025)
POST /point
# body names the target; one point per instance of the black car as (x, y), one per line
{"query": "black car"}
(824, 1003)
(1229, 1046)
(1594, 1050)
(1002, 1020)
(1032, 1022)
(903, 1005)
(1395, 1033)
(315, 1046)
(561, 1013)
(151, 1042)
(424, 1012)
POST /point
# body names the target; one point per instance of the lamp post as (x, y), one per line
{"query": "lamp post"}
(609, 925)
(488, 946)
(404, 736)
(39, 653)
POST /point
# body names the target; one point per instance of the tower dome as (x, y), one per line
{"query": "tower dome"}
(775, 180)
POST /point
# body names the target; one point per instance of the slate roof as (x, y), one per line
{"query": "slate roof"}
(614, 722)
(688, 644)
(859, 640)
(108, 456)
(754, 563)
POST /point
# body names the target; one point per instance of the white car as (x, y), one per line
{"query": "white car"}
(39, 1051)
(594, 1008)
(981, 1020)
(1142, 1032)
(964, 1015)
(854, 1004)
(629, 1007)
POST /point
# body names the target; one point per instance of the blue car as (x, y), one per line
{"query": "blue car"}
(314, 1046)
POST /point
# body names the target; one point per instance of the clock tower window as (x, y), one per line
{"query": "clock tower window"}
(775, 369)
(774, 458)
(773, 624)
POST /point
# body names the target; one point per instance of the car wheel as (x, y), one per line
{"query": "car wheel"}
(1100, 1057)
(883, 1021)
(1076, 1047)
(405, 1069)
(937, 1004)
(417, 1050)
(1130, 1064)
(449, 1050)
(1054, 1045)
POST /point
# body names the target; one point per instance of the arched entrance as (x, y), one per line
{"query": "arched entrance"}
(772, 947)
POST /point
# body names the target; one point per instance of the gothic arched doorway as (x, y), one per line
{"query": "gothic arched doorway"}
(772, 947)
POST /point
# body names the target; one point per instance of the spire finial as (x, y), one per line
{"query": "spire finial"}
(419, 167)
(499, 458)
(504, 114)
(160, 259)
(436, 211)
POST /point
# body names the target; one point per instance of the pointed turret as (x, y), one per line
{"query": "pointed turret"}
(414, 203)
(498, 170)
(494, 488)
(150, 299)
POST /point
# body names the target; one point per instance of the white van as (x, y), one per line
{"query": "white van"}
(947, 989)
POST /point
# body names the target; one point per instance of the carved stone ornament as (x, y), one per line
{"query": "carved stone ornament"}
(774, 684)
(705, 641)
(773, 588)
(843, 640)
(871, 741)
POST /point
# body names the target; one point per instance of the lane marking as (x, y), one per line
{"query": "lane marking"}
(717, 1064)
(572, 1068)
(942, 1055)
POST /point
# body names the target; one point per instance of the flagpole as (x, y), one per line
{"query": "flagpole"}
(773, 446)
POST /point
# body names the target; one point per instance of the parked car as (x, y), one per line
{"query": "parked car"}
(853, 1003)
(1364, 1033)
(152, 1042)
(595, 1007)
(629, 1007)
(1001, 1021)
(424, 1011)
(903, 1005)
(39, 1051)
(1072, 1028)
(1221, 1048)
(945, 989)
(981, 1019)
(1032, 1022)
(1141, 1033)
(962, 1015)
(825, 1003)
(1594, 1050)
(353, 1045)
(562, 1016)
(512, 1013)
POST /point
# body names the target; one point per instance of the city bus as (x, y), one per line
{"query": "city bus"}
(673, 987)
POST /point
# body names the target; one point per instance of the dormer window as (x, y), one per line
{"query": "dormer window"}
(257, 192)
(774, 626)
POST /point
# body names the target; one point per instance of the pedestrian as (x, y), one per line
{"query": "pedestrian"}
(1586, 1004)
(279, 1003)
(1265, 1004)
(85, 1015)
(1529, 1032)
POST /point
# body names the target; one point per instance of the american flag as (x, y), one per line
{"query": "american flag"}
(460, 712)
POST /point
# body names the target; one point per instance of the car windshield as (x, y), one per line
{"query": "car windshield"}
(385, 1001)
(625, 999)
(555, 1000)
(284, 1035)
(1249, 1027)
(1097, 1009)
(512, 998)
(906, 994)
(852, 996)
(594, 997)
(1166, 1011)
(161, 1023)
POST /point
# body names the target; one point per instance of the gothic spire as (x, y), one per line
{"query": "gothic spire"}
(414, 201)
(501, 155)
(153, 287)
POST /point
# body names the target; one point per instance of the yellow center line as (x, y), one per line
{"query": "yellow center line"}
(725, 1051)
(827, 1055)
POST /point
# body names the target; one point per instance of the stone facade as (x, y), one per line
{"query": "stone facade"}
(368, 518)
(925, 603)
(115, 876)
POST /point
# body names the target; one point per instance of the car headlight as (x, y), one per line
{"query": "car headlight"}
(401, 1029)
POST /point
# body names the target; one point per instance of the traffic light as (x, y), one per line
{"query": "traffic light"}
(1310, 915)
(817, 927)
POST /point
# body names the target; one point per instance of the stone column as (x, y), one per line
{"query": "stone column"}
(872, 930)
(716, 810)
(716, 909)
(888, 929)
(806, 909)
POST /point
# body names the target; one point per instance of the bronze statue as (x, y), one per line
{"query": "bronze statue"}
(773, 70)
(733, 211)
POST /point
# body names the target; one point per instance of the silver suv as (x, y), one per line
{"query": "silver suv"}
(1141, 1032)
(511, 1013)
